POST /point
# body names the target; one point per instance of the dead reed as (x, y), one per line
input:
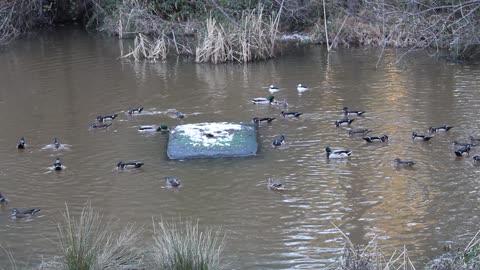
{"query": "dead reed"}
(150, 49)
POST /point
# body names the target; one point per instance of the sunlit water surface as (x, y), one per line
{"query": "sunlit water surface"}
(55, 84)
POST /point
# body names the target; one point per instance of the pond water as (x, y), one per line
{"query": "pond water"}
(55, 84)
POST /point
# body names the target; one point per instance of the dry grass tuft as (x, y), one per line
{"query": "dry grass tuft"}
(150, 49)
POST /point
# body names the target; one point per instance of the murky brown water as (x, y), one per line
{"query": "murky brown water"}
(54, 85)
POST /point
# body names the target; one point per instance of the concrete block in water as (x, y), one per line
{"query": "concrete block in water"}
(212, 140)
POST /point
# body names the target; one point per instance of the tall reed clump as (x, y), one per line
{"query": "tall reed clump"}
(87, 243)
(252, 39)
(185, 247)
(150, 49)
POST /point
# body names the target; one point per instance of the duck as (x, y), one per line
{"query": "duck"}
(172, 181)
(16, 213)
(282, 103)
(348, 112)
(337, 153)
(57, 165)
(302, 88)
(262, 100)
(415, 136)
(371, 139)
(464, 150)
(21, 144)
(272, 88)
(361, 131)
(129, 165)
(102, 118)
(99, 126)
(258, 120)
(440, 128)
(179, 115)
(134, 111)
(56, 144)
(460, 144)
(476, 159)
(279, 140)
(3, 200)
(273, 185)
(294, 114)
(343, 122)
(400, 163)
(160, 128)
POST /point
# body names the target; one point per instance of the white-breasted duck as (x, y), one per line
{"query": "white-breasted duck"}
(17, 213)
(360, 131)
(3, 199)
(476, 159)
(279, 140)
(21, 144)
(57, 165)
(134, 111)
(302, 88)
(272, 88)
(416, 136)
(334, 154)
(371, 139)
(439, 129)
(348, 112)
(103, 118)
(343, 122)
(129, 165)
(172, 181)
(179, 115)
(56, 144)
(462, 151)
(258, 120)
(287, 114)
(262, 100)
(401, 163)
(274, 185)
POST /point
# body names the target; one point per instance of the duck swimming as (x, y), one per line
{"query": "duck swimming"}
(279, 140)
(476, 159)
(102, 118)
(438, 129)
(415, 136)
(57, 166)
(302, 88)
(99, 126)
(371, 139)
(56, 144)
(258, 120)
(161, 128)
(262, 100)
(179, 115)
(273, 185)
(348, 112)
(459, 144)
(294, 114)
(334, 154)
(21, 144)
(399, 162)
(282, 103)
(361, 131)
(16, 213)
(129, 165)
(134, 111)
(172, 181)
(3, 199)
(343, 122)
(273, 89)
(464, 150)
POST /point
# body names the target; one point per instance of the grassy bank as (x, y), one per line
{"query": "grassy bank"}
(242, 31)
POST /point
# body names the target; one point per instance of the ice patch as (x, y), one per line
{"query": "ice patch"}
(199, 133)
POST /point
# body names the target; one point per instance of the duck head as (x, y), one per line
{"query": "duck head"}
(328, 149)
(270, 98)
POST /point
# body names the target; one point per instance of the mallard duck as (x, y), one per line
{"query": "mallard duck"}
(3, 199)
(129, 165)
(273, 185)
(361, 131)
(258, 120)
(21, 144)
(343, 122)
(400, 163)
(464, 150)
(302, 88)
(282, 103)
(348, 112)
(294, 114)
(134, 111)
(371, 139)
(16, 213)
(415, 136)
(279, 140)
(440, 128)
(460, 144)
(172, 181)
(262, 100)
(57, 165)
(99, 126)
(476, 159)
(337, 153)
(102, 118)
(273, 89)
(160, 128)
